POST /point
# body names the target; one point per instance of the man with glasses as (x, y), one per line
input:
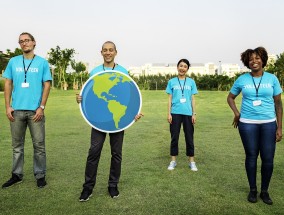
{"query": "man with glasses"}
(27, 81)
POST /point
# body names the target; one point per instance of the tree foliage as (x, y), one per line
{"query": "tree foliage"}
(60, 59)
(5, 57)
(278, 68)
(79, 68)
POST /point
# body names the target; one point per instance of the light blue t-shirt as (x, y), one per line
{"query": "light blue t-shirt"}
(27, 98)
(269, 87)
(174, 88)
(101, 68)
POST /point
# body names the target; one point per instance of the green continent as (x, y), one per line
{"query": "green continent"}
(118, 111)
(103, 83)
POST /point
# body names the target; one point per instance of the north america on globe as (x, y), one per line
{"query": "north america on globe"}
(102, 86)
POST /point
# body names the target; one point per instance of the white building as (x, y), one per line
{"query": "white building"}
(230, 69)
(195, 68)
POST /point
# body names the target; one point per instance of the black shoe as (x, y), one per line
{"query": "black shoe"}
(13, 180)
(252, 196)
(85, 195)
(264, 195)
(113, 192)
(41, 182)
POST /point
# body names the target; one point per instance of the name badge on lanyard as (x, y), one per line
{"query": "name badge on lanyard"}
(256, 102)
(182, 100)
(25, 85)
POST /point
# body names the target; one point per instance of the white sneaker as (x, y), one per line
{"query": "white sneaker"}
(172, 165)
(193, 166)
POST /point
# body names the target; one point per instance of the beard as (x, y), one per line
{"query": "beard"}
(27, 51)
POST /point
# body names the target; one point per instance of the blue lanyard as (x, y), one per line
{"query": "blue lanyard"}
(256, 88)
(182, 88)
(111, 69)
(26, 70)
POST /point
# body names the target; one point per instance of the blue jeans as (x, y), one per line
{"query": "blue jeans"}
(259, 139)
(23, 119)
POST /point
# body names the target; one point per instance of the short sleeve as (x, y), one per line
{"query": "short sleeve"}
(236, 88)
(46, 72)
(169, 88)
(8, 71)
(277, 87)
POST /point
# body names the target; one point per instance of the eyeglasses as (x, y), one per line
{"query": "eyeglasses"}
(24, 41)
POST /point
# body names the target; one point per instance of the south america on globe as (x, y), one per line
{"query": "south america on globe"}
(110, 101)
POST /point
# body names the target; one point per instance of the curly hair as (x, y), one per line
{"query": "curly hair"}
(259, 51)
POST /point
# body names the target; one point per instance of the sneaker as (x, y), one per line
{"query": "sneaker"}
(41, 182)
(13, 180)
(192, 166)
(85, 195)
(252, 196)
(113, 192)
(172, 165)
(264, 195)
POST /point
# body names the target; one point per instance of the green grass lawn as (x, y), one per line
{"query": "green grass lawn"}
(146, 186)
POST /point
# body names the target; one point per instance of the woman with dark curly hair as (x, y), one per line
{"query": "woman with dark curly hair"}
(260, 119)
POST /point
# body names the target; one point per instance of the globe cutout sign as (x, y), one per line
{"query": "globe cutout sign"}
(110, 101)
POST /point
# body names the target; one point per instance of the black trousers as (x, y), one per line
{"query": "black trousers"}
(97, 141)
(188, 128)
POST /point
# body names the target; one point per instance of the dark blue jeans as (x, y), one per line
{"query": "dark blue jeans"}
(259, 139)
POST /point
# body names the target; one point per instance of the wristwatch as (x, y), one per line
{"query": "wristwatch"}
(42, 107)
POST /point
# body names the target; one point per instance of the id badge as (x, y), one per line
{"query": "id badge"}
(25, 85)
(182, 100)
(256, 102)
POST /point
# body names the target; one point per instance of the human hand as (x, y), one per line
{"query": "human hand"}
(39, 115)
(278, 134)
(138, 116)
(78, 98)
(170, 118)
(236, 121)
(9, 113)
(193, 119)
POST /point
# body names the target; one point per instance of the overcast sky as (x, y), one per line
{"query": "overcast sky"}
(147, 31)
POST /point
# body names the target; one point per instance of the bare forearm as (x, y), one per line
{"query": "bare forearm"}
(169, 104)
(193, 104)
(45, 93)
(279, 112)
(233, 106)
(7, 93)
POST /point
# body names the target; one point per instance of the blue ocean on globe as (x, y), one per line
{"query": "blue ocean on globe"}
(110, 101)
